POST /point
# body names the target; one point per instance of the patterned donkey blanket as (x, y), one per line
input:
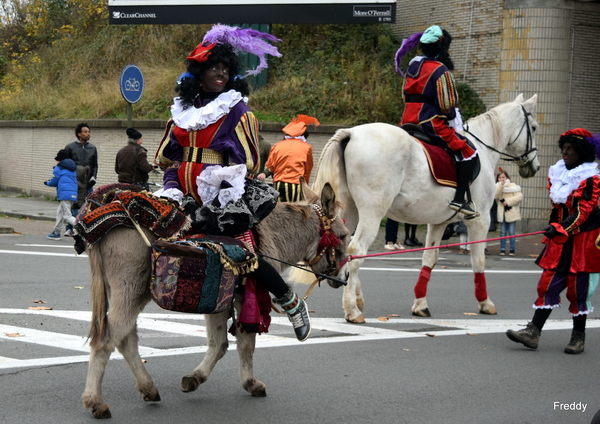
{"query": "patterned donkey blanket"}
(198, 275)
(115, 204)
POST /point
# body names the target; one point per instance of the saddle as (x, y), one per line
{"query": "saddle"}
(440, 159)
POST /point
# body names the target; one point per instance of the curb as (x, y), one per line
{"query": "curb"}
(27, 215)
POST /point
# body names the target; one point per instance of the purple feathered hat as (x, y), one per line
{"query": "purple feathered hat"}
(407, 45)
(246, 40)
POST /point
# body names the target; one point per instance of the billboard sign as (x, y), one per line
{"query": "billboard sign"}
(137, 12)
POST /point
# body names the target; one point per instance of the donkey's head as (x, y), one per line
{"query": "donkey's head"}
(330, 251)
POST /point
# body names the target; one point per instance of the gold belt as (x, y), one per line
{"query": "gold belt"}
(198, 155)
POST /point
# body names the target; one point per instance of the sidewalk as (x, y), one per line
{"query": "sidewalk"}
(17, 206)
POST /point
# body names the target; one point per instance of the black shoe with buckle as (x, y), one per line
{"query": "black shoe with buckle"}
(465, 209)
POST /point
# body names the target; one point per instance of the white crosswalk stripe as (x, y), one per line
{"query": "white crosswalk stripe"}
(161, 325)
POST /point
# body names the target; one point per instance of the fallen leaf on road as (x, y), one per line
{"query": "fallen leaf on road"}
(472, 334)
(311, 311)
(78, 287)
(144, 361)
(469, 313)
(444, 266)
(13, 335)
(383, 319)
(533, 256)
(393, 315)
(40, 308)
(37, 301)
(430, 335)
(407, 350)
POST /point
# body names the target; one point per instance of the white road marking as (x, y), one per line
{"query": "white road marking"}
(341, 331)
(21, 252)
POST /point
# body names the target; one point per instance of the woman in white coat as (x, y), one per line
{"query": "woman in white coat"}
(508, 197)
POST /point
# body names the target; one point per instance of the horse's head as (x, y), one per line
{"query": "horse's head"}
(331, 256)
(521, 147)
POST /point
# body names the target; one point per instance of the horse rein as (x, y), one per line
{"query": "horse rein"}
(518, 160)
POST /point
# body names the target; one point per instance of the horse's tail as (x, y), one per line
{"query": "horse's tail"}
(98, 324)
(331, 167)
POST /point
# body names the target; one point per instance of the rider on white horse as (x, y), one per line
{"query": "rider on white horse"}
(430, 99)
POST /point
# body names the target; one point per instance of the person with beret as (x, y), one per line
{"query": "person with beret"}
(571, 256)
(431, 100)
(131, 163)
(210, 157)
(64, 178)
(291, 159)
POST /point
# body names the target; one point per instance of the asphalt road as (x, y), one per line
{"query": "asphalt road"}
(456, 367)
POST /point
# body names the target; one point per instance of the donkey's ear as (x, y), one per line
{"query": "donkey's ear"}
(328, 200)
(309, 195)
(519, 99)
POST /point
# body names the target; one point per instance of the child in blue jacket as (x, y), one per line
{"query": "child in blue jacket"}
(65, 180)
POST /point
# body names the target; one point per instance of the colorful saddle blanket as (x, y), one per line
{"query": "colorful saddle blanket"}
(198, 275)
(441, 165)
(115, 204)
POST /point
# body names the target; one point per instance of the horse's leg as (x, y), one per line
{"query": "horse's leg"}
(216, 332)
(365, 233)
(478, 231)
(245, 347)
(430, 258)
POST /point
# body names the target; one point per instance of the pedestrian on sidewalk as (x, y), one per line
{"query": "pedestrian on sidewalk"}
(391, 236)
(508, 198)
(131, 162)
(84, 154)
(64, 178)
(571, 256)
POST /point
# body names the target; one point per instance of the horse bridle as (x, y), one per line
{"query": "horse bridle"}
(518, 160)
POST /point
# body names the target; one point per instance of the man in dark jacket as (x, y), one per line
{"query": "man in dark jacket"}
(84, 154)
(131, 163)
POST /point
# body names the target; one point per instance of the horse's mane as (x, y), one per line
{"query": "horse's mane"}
(493, 117)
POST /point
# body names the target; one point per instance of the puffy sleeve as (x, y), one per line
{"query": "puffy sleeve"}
(447, 97)
(583, 201)
(247, 134)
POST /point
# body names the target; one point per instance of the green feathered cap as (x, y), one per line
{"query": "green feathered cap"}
(431, 35)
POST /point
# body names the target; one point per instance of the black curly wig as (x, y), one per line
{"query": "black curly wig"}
(439, 50)
(585, 150)
(188, 89)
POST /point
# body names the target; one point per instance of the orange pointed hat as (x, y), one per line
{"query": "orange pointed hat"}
(298, 125)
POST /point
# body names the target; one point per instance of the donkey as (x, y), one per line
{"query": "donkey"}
(121, 266)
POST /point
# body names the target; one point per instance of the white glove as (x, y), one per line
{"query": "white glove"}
(170, 193)
(457, 123)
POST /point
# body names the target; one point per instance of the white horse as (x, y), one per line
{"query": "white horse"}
(379, 170)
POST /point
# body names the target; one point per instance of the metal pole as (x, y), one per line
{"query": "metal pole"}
(129, 115)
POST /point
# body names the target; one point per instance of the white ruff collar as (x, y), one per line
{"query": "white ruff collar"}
(564, 181)
(192, 119)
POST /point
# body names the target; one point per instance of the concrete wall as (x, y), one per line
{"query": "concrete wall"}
(29, 148)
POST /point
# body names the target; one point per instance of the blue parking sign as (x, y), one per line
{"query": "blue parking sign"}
(132, 83)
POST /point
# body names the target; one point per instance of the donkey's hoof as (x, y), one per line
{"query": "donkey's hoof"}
(487, 307)
(189, 383)
(152, 397)
(101, 413)
(255, 387)
(422, 313)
